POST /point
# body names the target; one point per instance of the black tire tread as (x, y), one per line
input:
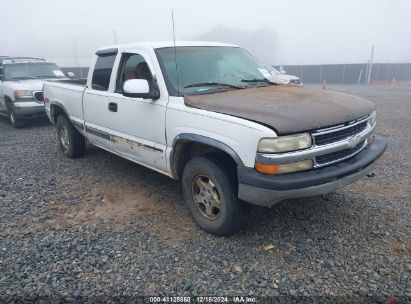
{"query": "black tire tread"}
(236, 212)
(17, 122)
(77, 141)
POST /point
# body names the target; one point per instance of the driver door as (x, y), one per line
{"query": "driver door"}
(139, 129)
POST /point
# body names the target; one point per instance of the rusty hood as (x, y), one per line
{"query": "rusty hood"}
(285, 109)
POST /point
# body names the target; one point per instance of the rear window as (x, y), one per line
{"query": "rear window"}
(102, 72)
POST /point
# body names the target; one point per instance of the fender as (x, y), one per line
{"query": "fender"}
(189, 137)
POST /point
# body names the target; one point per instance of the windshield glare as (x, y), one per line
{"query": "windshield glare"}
(196, 65)
(32, 70)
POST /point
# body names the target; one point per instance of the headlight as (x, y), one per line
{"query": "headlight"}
(23, 94)
(284, 143)
(373, 119)
(284, 168)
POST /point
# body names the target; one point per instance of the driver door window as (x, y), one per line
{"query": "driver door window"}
(133, 67)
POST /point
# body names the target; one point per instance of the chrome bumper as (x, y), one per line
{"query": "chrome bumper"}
(28, 109)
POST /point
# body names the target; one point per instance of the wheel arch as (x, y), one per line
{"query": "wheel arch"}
(187, 145)
(57, 109)
(8, 100)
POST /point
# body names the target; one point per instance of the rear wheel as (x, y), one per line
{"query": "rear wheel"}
(210, 193)
(71, 142)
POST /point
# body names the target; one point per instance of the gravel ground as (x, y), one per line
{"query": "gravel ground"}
(101, 226)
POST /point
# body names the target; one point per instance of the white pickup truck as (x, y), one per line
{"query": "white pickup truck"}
(208, 114)
(21, 83)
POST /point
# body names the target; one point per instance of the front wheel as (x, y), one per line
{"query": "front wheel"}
(210, 194)
(71, 142)
(14, 120)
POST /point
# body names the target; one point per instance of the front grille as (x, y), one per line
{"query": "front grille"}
(328, 138)
(39, 96)
(339, 155)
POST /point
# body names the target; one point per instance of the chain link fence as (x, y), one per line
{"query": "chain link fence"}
(331, 73)
(350, 73)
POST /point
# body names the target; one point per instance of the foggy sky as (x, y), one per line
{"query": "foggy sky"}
(298, 31)
(263, 43)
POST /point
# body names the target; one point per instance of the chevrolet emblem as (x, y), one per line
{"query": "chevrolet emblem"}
(353, 141)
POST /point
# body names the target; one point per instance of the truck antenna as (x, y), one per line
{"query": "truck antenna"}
(175, 51)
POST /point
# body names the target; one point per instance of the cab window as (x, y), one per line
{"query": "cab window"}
(102, 72)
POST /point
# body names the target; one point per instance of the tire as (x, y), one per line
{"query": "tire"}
(14, 120)
(210, 194)
(71, 142)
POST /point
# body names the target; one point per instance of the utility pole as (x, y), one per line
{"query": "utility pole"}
(343, 74)
(321, 73)
(301, 72)
(359, 77)
(76, 56)
(115, 37)
(370, 64)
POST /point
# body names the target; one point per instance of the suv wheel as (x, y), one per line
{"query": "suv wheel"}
(14, 120)
(71, 142)
(210, 194)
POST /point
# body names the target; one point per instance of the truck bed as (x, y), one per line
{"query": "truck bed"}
(67, 93)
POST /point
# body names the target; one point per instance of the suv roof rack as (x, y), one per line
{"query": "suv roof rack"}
(18, 57)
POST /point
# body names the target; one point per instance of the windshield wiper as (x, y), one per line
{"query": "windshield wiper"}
(46, 76)
(212, 83)
(21, 77)
(256, 80)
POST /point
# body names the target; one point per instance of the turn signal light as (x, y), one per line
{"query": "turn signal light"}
(266, 168)
(284, 168)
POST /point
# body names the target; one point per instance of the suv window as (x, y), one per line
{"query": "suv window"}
(31, 70)
(102, 72)
(133, 67)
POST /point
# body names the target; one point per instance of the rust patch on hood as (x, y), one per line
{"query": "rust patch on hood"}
(286, 109)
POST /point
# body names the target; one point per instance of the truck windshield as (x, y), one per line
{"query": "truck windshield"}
(32, 70)
(203, 69)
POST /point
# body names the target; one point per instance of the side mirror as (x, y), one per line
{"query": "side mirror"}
(277, 79)
(70, 75)
(139, 88)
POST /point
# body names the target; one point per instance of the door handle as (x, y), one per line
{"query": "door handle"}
(112, 106)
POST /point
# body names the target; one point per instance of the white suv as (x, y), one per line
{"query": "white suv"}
(21, 84)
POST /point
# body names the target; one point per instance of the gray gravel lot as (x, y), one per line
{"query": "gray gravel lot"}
(103, 226)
